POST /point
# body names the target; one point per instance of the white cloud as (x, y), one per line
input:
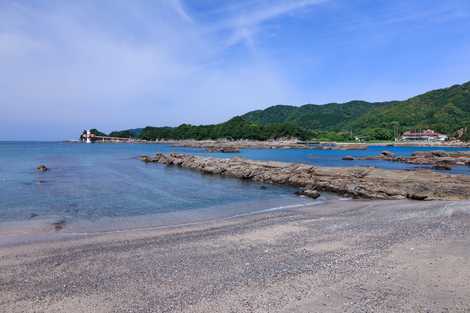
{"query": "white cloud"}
(77, 66)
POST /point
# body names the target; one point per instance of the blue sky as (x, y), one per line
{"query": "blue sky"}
(70, 65)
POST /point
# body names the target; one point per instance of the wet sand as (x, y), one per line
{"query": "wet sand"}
(341, 256)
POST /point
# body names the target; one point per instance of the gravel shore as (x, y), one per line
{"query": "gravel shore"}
(342, 256)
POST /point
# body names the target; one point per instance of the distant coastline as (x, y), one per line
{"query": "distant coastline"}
(443, 111)
(280, 143)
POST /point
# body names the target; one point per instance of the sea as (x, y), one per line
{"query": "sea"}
(105, 187)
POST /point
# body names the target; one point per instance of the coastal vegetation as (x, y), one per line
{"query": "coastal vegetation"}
(236, 128)
(128, 133)
(96, 132)
(444, 110)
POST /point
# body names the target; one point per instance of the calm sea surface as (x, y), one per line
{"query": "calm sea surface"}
(92, 182)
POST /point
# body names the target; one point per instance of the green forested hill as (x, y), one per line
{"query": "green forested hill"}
(328, 117)
(444, 110)
(236, 128)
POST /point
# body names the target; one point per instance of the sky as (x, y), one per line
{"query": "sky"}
(117, 64)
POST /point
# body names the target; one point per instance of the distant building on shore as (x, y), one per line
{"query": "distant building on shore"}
(426, 135)
(89, 137)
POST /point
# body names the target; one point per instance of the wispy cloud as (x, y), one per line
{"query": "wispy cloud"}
(245, 21)
(256, 16)
(68, 65)
(179, 8)
(77, 67)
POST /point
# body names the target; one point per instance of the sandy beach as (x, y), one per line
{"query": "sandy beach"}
(342, 256)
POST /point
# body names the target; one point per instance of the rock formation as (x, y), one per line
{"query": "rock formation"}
(217, 145)
(370, 183)
(308, 192)
(443, 160)
(224, 149)
(387, 154)
(42, 168)
(353, 146)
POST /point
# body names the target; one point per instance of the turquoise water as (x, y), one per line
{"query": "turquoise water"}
(107, 180)
(90, 182)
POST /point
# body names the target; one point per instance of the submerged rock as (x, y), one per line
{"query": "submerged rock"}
(145, 158)
(430, 154)
(341, 147)
(442, 166)
(224, 149)
(388, 154)
(417, 197)
(308, 193)
(42, 168)
(59, 225)
(348, 158)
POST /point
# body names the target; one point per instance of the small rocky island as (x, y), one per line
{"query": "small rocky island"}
(368, 183)
(441, 160)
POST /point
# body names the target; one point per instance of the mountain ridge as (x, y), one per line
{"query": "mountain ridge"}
(446, 110)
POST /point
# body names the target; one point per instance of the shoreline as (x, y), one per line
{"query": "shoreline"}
(281, 144)
(387, 256)
(40, 229)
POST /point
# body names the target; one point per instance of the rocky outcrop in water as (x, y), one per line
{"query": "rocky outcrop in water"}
(42, 168)
(224, 149)
(354, 146)
(371, 183)
(388, 154)
(441, 160)
(308, 192)
(232, 145)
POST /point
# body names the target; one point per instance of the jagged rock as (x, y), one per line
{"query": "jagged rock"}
(341, 147)
(416, 197)
(226, 149)
(437, 159)
(442, 166)
(370, 183)
(145, 158)
(58, 225)
(240, 144)
(308, 193)
(440, 154)
(388, 154)
(42, 168)
(431, 154)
